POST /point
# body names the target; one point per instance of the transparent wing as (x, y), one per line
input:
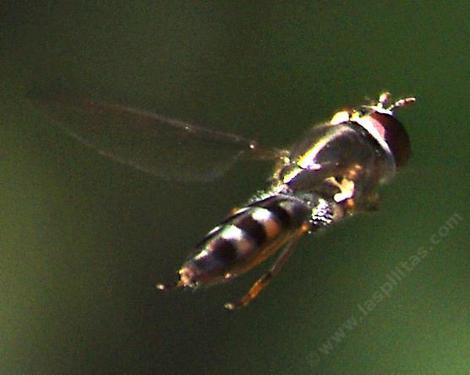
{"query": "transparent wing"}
(152, 143)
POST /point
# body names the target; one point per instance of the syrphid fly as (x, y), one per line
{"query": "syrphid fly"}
(333, 172)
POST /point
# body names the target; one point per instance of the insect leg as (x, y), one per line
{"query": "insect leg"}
(264, 280)
(165, 287)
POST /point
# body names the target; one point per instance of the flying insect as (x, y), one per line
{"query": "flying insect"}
(333, 172)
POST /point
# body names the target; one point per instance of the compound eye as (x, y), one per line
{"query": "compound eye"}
(395, 135)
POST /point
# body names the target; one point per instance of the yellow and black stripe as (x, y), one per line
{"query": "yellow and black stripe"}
(245, 239)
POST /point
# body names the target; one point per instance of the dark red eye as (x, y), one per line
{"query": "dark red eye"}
(394, 135)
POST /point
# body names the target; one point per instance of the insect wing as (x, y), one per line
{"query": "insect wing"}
(158, 145)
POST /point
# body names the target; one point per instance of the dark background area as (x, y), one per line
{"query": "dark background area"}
(83, 240)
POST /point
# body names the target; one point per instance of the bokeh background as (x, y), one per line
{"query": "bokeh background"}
(83, 240)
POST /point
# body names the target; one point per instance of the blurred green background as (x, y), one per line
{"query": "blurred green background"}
(83, 240)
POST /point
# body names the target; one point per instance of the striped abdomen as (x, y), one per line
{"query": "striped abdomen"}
(245, 239)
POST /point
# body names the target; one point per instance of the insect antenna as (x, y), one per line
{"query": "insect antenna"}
(402, 103)
(386, 97)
